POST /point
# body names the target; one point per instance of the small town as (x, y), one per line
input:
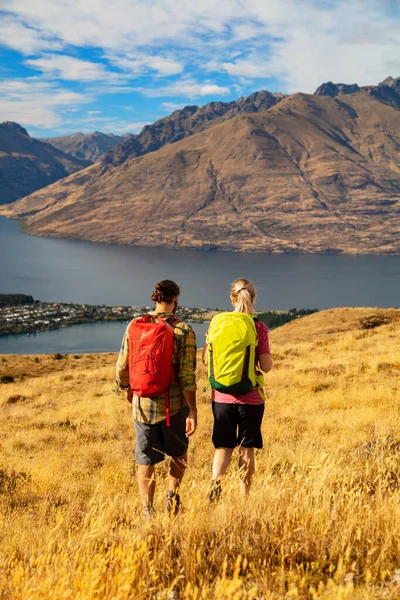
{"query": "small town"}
(26, 315)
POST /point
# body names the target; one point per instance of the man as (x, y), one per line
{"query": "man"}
(154, 438)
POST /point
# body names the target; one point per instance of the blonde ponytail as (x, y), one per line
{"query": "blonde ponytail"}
(243, 296)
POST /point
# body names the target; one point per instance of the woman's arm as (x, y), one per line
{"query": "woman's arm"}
(265, 362)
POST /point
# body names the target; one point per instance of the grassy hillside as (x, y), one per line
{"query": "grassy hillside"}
(322, 519)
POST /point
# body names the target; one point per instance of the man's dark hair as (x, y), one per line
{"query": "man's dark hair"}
(165, 291)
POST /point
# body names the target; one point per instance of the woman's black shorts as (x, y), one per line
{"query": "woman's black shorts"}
(237, 425)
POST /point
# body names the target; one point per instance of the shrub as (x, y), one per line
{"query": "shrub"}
(373, 322)
(10, 480)
(321, 387)
(67, 424)
(7, 379)
(15, 399)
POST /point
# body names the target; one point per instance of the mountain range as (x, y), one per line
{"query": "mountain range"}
(28, 164)
(87, 146)
(271, 173)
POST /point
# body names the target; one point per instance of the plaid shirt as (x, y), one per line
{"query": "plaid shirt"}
(152, 410)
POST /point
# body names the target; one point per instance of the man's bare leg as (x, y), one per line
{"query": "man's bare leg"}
(177, 470)
(147, 484)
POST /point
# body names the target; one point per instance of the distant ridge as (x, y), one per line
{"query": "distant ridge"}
(87, 146)
(27, 164)
(334, 89)
(388, 91)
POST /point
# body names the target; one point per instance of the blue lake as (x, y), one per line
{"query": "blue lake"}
(55, 270)
(87, 338)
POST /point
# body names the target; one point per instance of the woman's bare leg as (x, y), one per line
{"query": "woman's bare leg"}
(221, 460)
(247, 468)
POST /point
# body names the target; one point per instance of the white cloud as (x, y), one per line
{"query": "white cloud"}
(249, 68)
(125, 24)
(171, 106)
(305, 45)
(26, 40)
(304, 65)
(301, 42)
(186, 87)
(34, 102)
(318, 43)
(246, 31)
(60, 66)
(140, 63)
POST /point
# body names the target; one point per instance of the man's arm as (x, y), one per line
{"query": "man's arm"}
(122, 369)
(204, 354)
(187, 378)
(191, 421)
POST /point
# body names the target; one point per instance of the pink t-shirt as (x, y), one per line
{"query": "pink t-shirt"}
(252, 397)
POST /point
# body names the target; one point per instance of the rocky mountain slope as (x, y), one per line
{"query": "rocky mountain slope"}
(186, 121)
(388, 91)
(27, 164)
(313, 173)
(89, 146)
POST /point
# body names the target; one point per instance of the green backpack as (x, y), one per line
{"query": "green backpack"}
(232, 340)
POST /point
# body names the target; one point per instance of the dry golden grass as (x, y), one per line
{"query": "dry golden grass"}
(323, 516)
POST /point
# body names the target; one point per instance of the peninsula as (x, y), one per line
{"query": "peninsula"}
(29, 316)
(21, 314)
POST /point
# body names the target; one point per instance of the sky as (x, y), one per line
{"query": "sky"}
(116, 65)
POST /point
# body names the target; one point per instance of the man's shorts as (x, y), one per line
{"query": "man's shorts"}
(237, 425)
(154, 442)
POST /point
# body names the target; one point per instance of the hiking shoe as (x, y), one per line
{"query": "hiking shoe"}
(149, 511)
(173, 504)
(215, 491)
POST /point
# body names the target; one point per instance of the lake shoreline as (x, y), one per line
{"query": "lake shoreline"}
(207, 248)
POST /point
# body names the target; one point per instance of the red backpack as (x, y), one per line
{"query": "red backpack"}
(151, 370)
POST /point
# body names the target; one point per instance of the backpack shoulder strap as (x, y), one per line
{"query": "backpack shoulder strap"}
(146, 318)
(172, 321)
(256, 320)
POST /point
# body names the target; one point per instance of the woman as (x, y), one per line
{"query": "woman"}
(238, 417)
